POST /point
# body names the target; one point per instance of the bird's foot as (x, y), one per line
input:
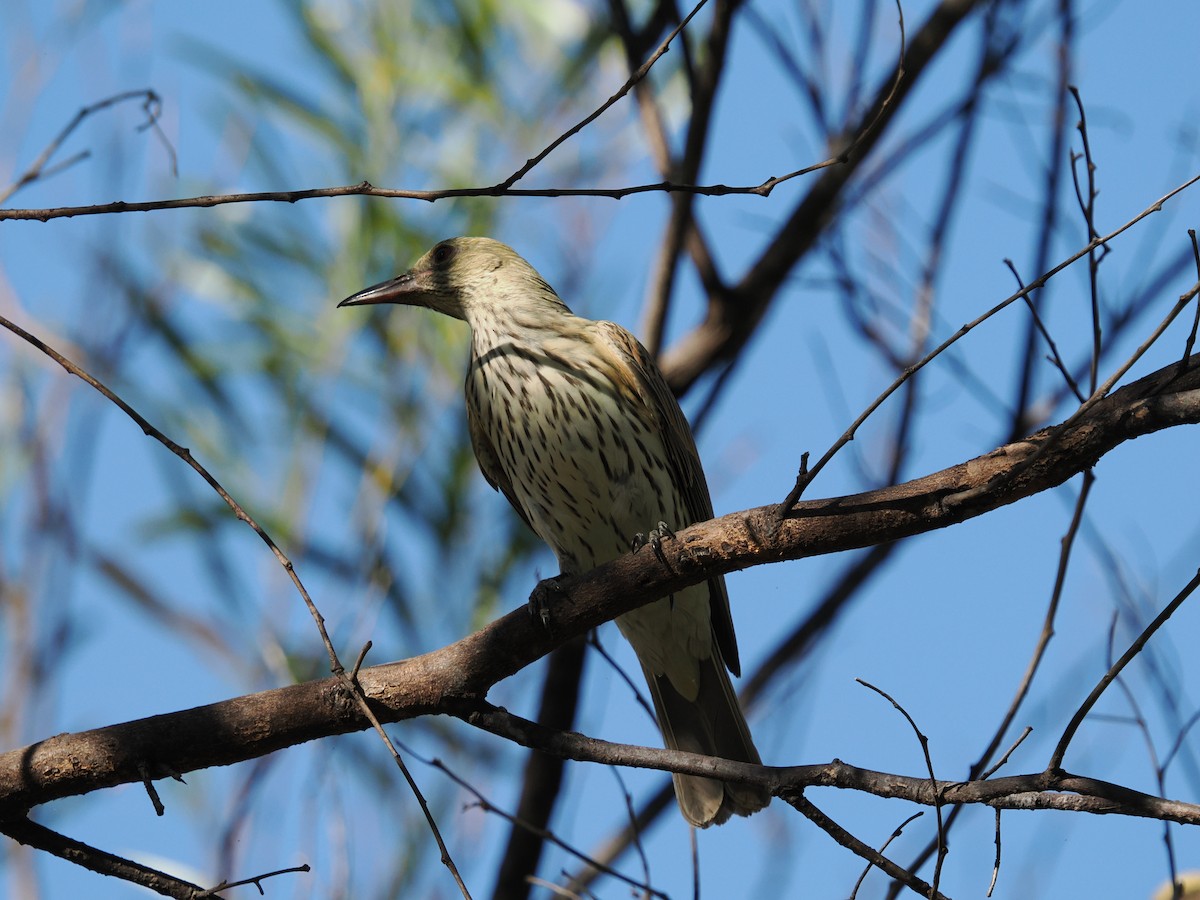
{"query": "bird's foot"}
(654, 539)
(541, 597)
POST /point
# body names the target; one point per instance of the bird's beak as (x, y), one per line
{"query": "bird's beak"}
(401, 289)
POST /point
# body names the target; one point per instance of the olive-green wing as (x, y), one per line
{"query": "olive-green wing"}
(640, 380)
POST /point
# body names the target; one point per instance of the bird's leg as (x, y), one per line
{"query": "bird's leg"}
(540, 598)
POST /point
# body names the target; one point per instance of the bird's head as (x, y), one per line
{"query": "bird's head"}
(468, 278)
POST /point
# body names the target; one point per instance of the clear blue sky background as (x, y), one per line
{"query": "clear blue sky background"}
(947, 633)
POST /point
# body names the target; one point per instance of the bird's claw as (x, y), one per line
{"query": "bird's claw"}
(539, 599)
(654, 539)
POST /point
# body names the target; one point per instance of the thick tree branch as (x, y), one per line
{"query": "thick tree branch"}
(252, 726)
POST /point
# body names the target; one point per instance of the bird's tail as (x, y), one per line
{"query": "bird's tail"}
(711, 724)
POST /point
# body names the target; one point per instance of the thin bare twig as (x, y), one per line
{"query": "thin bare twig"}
(1191, 338)
(682, 228)
(1099, 394)
(633, 79)
(366, 189)
(1043, 642)
(849, 433)
(545, 834)
(41, 168)
(1087, 206)
(336, 667)
(257, 881)
(638, 696)
(937, 800)
(996, 858)
(1045, 333)
(896, 832)
(1133, 650)
(1051, 215)
(1143, 728)
(186, 455)
(1007, 753)
(867, 852)
(638, 847)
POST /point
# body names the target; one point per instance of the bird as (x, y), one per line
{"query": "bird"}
(574, 423)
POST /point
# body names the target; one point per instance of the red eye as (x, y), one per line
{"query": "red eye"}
(442, 253)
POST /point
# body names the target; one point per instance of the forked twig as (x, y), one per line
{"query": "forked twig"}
(335, 664)
(41, 168)
(1133, 650)
(849, 434)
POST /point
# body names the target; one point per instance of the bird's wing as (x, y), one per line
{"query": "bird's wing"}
(489, 463)
(639, 379)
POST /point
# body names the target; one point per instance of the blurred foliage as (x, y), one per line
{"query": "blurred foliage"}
(127, 588)
(228, 340)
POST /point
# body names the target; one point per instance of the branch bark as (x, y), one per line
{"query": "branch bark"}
(1050, 789)
(439, 682)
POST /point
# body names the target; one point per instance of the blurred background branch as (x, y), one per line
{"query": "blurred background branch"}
(125, 591)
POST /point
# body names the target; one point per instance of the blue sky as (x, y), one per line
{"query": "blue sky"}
(947, 632)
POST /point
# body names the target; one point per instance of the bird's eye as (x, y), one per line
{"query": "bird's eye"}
(442, 253)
